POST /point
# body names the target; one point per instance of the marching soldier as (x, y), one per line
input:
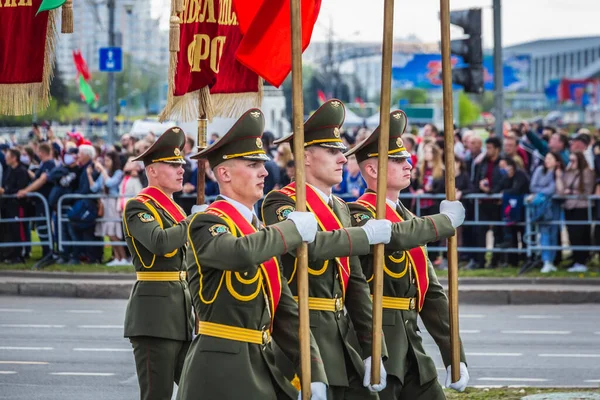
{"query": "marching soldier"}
(158, 320)
(244, 304)
(410, 286)
(339, 303)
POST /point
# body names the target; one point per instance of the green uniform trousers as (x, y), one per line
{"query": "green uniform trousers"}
(412, 389)
(354, 391)
(159, 363)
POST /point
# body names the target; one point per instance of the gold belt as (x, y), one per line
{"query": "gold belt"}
(234, 333)
(319, 304)
(161, 276)
(399, 303)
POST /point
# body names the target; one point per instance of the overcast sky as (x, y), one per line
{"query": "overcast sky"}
(522, 20)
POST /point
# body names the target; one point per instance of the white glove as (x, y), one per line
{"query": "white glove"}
(306, 223)
(318, 391)
(453, 210)
(199, 208)
(460, 384)
(367, 379)
(378, 231)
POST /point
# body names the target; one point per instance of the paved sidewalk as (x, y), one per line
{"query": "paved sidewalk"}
(500, 291)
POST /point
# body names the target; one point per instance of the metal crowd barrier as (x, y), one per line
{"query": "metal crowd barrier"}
(45, 218)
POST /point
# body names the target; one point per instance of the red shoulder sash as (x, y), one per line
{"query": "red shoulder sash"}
(270, 268)
(417, 255)
(164, 202)
(327, 220)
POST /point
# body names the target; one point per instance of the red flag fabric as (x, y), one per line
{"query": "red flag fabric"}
(360, 102)
(81, 65)
(26, 56)
(266, 46)
(321, 96)
(209, 37)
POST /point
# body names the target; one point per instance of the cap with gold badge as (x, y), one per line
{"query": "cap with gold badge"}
(323, 127)
(243, 141)
(368, 148)
(168, 148)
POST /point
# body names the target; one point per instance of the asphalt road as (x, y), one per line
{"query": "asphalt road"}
(73, 349)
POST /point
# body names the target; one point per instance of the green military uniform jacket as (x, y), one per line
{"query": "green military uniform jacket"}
(157, 244)
(333, 331)
(226, 285)
(400, 327)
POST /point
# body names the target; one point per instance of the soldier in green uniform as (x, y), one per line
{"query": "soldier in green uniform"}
(339, 303)
(244, 304)
(410, 286)
(158, 320)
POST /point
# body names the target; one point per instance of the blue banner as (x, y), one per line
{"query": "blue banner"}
(424, 71)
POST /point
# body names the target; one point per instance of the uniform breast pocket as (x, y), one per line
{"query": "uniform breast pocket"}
(148, 289)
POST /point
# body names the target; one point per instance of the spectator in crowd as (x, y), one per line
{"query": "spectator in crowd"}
(488, 179)
(410, 143)
(272, 181)
(544, 181)
(290, 170)
(510, 148)
(15, 178)
(581, 143)
(211, 188)
(284, 156)
(42, 186)
(30, 160)
(514, 187)
(578, 179)
(189, 169)
(213, 138)
(355, 184)
(557, 142)
(109, 178)
(474, 150)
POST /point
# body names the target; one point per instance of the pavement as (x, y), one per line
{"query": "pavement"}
(491, 291)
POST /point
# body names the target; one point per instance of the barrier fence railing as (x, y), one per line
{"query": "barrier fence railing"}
(40, 218)
(528, 225)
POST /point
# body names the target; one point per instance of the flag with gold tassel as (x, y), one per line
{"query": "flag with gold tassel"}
(27, 44)
(205, 78)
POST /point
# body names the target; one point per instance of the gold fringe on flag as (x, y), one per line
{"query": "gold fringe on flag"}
(179, 6)
(233, 105)
(18, 99)
(67, 17)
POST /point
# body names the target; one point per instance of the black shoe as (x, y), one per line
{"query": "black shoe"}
(45, 261)
(16, 260)
(530, 265)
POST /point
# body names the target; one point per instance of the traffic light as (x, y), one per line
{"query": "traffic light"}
(470, 49)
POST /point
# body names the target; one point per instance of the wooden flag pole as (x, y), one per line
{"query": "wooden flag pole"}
(382, 158)
(450, 186)
(298, 144)
(200, 178)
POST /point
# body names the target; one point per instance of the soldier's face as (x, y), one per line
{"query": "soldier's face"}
(324, 164)
(247, 178)
(398, 174)
(167, 176)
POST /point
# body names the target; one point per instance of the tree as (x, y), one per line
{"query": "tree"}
(469, 112)
(413, 96)
(58, 89)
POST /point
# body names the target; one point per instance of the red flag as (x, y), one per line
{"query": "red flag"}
(360, 102)
(81, 65)
(266, 46)
(321, 96)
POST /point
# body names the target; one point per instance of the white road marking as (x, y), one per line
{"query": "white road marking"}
(131, 379)
(573, 355)
(30, 326)
(596, 333)
(82, 373)
(496, 354)
(99, 349)
(7, 372)
(85, 311)
(25, 362)
(593, 381)
(471, 315)
(526, 332)
(25, 348)
(100, 326)
(18, 310)
(512, 379)
(539, 317)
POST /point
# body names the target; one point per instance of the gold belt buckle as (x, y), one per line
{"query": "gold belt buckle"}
(266, 336)
(182, 275)
(339, 305)
(411, 304)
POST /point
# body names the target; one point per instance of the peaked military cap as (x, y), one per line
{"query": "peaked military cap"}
(168, 148)
(369, 147)
(323, 127)
(243, 141)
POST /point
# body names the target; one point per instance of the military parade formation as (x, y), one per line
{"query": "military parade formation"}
(237, 275)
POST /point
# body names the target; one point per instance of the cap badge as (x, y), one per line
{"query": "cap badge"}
(396, 115)
(399, 142)
(335, 104)
(336, 132)
(177, 152)
(255, 114)
(259, 143)
(176, 130)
